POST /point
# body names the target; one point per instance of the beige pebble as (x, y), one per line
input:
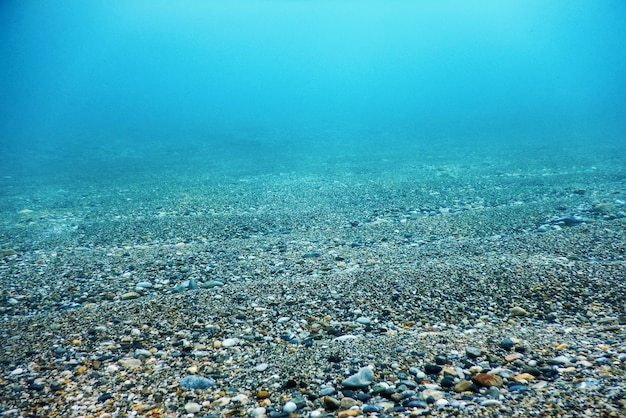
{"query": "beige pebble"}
(519, 311)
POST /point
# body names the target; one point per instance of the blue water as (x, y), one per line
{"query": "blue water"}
(153, 84)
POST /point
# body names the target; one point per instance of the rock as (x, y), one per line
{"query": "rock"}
(130, 295)
(432, 369)
(473, 352)
(431, 393)
(130, 363)
(523, 377)
(192, 407)
(330, 403)
(487, 380)
(142, 353)
(196, 382)
(347, 403)
(7, 253)
(258, 412)
(463, 386)
(363, 320)
(348, 413)
(363, 378)
(229, 342)
(518, 311)
(261, 367)
(507, 343)
(290, 407)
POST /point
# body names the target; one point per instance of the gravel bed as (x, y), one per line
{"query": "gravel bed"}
(428, 289)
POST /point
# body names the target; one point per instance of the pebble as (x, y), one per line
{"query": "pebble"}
(463, 386)
(490, 402)
(130, 363)
(290, 407)
(473, 352)
(229, 342)
(487, 380)
(518, 311)
(142, 353)
(192, 407)
(261, 367)
(196, 382)
(258, 412)
(331, 403)
(363, 378)
(130, 295)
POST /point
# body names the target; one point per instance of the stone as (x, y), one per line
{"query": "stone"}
(363, 378)
(507, 343)
(142, 353)
(487, 380)
(258, 412)
(473, 352)
(261, 367)
(347, 403)
(130, 295)
(432, 369)
(518, 311)
(330, 403)
(196, 382)
(523, 377)
(192, 407)
(463, 386)
(290, 407)
(229, 342)
(130, 363)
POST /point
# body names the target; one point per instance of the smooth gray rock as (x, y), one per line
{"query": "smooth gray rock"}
(363, 378)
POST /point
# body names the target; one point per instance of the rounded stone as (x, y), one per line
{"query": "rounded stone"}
(192, 407)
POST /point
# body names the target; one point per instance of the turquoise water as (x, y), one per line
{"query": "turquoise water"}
(108, 87)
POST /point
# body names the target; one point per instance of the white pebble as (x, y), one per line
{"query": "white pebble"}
(290, 407)
(261, 367)
(192, 407)
(258, 412)
(229, 342)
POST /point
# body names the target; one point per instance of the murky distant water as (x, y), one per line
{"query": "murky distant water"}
(105, 89)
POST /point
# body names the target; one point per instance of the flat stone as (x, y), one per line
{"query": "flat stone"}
(130, 363)
(130, 295)
(363, 378)
(229, 342)
(487, 380)
(518, 311)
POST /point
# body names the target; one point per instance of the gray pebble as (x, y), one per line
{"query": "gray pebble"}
(361, 379)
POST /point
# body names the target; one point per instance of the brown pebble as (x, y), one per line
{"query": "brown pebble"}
(523, 376)
(487, 380)
(262, 394)
(330, 403)
(348, 413)
(513, 357)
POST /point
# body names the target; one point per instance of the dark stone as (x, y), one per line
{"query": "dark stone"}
(104, 397)
(447, 382)
(507, 343)
(441, 360)
(432, 369)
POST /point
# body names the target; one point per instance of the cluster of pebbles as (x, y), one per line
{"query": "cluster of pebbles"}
(292, 297)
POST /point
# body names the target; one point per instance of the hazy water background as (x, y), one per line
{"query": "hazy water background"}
(97, 88)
